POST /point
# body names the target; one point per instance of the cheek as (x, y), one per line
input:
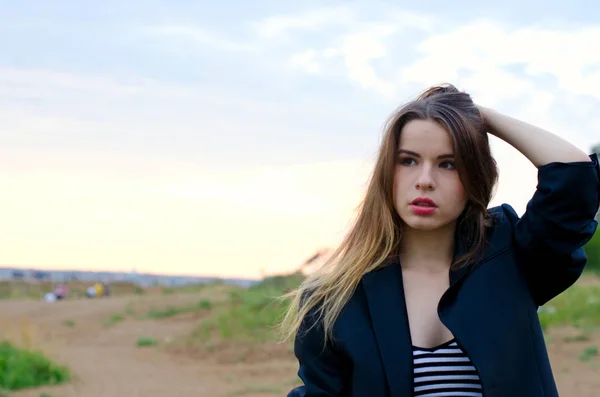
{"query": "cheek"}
(454, 193)
(459, 193)
(401, 185)
(459, 189)
(396, 184)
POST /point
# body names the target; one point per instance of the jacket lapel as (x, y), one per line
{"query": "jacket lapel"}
(385, 296)
(460, 248)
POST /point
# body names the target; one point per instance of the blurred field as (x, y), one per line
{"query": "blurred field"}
(20, 289)
(202, 340)
(216, 340)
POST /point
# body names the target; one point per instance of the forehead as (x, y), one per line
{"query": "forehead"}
(425, 136)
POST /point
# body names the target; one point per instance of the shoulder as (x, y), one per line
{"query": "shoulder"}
(502, 228)
(502, 218)
(314, 317)
(502, 215)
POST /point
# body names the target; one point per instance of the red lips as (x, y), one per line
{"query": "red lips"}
(424, 201)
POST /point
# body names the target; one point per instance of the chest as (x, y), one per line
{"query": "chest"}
(422, 295)
(488, 312)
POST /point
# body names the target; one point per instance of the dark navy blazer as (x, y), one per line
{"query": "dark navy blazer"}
(491, 308)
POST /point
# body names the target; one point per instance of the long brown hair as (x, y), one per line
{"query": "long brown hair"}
(376, 233)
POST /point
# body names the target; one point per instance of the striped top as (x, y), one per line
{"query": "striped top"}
(444, 371)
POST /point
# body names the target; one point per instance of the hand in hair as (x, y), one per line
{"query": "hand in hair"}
(538, 145)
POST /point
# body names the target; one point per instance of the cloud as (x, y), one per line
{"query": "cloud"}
(306, 61)
(41, 108)
(470, 54)
(29, 86)
(556, 73)
(542, 74)
(278, 25)
(358, 50)
(84, 187)
(195, 35)
(547, 76)
(118, 169)
(345, 36)
(487, 48)
(25, 81)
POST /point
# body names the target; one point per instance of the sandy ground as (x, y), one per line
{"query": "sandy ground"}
(108, 363)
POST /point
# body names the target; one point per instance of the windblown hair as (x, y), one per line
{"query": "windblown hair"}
(375, 236)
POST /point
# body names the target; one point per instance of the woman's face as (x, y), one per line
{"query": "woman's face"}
(428, 193)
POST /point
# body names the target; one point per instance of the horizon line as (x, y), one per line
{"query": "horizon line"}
(148, 273)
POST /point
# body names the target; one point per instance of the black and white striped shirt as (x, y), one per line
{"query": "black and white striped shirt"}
(444, 370)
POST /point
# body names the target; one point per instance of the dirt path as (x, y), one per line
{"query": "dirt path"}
(107, 362)
(575, 376)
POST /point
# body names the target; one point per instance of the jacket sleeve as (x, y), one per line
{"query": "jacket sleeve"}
(558, 221)
(322, 368)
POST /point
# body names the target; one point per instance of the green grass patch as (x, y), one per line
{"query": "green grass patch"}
(185, 289)
(21, 369)
(592, 251)
(577, 338)
(68, 323)
(589, 353)
(578, 306)
(170, 311)
(139, 291)
(146, 342)
(114, 318)
(129, 310)
(250, 314)
(20, 289)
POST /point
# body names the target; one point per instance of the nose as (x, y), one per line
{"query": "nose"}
(425, 180)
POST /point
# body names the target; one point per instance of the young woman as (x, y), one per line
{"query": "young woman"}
(432, 293)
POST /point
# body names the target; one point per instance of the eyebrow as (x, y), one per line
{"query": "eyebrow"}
(415, 154)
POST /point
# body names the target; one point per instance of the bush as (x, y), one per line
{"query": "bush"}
(114, 319)
(171, 311)
(279, 284)
(146, 341)
(252, 313)
(592, 250)
(20, 369)
(578, 306)
(185, 289)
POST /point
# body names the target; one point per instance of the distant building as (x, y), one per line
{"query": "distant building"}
(40, 275)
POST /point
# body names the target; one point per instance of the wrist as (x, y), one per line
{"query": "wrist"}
(488, 115)
(486, 112)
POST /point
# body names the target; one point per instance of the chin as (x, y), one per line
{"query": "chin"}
(424, 223)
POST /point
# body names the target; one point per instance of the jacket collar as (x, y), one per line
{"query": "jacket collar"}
(385, 296)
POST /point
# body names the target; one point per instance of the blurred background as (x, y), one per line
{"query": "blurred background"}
(186, 161)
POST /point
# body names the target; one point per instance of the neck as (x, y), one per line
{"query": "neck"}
(430, 251)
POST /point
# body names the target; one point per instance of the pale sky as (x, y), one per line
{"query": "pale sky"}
(222, 138)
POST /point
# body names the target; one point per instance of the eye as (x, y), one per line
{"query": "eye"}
(449, 165)
(407, 161)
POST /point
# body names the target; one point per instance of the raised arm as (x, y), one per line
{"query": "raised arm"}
(559, 218)
(538, 145)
